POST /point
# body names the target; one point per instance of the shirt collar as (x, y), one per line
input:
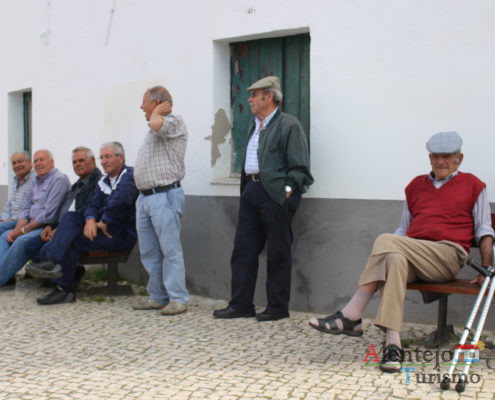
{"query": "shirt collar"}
(448, 178)
(50, 173)
(26, 178)
(266, 120)
(87, 178)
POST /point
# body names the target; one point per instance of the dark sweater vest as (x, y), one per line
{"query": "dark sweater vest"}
(444, 213)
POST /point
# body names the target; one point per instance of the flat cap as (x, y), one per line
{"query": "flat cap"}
(268, 82)
(444, 142)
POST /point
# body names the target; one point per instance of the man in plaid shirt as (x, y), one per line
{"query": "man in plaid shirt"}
(19, 190)
(158, 171)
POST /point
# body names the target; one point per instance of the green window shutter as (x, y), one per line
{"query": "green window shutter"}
(26, 97)
(287, 58)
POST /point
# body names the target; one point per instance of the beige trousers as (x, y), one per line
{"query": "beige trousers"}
(397, 260)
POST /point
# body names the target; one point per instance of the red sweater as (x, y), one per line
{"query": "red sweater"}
(444, 213)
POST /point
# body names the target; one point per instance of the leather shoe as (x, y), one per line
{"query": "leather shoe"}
(58, 295)
(271, 316)
(45, 269)
(229, 312)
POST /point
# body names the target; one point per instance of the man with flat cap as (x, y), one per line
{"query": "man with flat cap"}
(275, 173)
(443, 212)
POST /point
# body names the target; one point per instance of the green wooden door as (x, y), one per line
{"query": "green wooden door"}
(286, 57)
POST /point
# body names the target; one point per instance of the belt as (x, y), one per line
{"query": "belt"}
(253, 177)
(160, 189)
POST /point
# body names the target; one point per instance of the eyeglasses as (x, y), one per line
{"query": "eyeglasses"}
(107, 156)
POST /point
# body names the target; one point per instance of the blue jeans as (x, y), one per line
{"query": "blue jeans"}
(7, 226)
(36, 249)
(158, 223)
(13, 256)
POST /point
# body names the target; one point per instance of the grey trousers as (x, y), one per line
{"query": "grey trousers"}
(397, 260)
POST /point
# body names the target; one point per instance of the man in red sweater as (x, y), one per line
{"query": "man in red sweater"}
(444, 212)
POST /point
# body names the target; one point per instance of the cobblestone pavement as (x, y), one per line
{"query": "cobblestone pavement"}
(105, 350)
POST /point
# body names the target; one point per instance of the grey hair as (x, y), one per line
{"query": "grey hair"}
(89, 152)
(27, 154)
(457, 153)
(50, 155)
(159, 93)
(277, 94)
(117, 147)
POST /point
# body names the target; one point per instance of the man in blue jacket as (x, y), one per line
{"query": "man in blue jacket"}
(108, 223)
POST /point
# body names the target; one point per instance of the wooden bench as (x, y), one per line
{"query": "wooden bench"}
(112, 259)
(440, 291)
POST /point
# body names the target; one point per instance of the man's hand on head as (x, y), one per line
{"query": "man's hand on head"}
(160, 111)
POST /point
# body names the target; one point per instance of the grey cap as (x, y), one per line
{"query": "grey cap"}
(444, 142)
(268, 82)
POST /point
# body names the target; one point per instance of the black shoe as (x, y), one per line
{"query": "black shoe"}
(45, 269)
(392, 359)
(57, 296)
(271, 316)
(229, 312)
(10, 284)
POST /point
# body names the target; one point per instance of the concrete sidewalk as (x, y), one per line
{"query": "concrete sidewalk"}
(91, 350)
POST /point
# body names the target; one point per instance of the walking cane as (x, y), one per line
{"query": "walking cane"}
(489, 274)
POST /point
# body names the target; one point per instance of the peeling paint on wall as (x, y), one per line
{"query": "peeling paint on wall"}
(219, 131)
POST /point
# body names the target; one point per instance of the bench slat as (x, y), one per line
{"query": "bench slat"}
(457, 286)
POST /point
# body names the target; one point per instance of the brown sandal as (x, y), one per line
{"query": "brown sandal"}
(347, 325)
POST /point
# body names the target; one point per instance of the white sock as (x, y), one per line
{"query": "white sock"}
(393, 337)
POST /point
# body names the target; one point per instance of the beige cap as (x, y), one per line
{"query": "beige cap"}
(268, 82)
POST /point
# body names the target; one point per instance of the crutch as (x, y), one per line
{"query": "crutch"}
(489, 274)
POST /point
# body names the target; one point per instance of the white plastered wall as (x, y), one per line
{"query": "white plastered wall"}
(385, 75)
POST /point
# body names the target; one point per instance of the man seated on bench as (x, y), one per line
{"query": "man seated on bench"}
(42, 207)
(444, 211)
(109, 223)
(81, 192)
(18, 191)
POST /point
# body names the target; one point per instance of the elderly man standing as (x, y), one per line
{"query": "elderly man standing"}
(159, 170)
(41, 208)
(444, 211)
(19, 190)
(108, 223)
(275, 174)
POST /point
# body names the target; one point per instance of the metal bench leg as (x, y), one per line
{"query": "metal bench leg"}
(112, 275)
(444, 332)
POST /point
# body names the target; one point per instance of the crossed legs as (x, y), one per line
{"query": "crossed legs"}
(394, 262)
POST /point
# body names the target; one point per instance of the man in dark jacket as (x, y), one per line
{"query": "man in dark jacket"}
(108, 223)
(275, 173)
(84, 164)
